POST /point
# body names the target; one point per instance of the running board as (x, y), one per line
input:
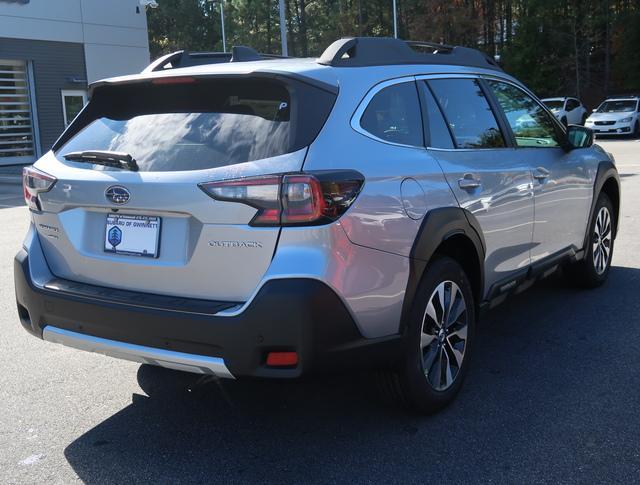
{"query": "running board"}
(197, 364)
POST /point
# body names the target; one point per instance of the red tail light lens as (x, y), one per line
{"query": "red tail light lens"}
(289, 200)
(35, 182)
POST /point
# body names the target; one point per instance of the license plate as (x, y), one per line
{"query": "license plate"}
(132, 235)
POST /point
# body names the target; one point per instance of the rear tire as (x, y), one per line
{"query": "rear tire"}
(593, 270)
(438, 343)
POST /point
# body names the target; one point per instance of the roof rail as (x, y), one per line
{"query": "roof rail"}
(186, 59)
(382, 51)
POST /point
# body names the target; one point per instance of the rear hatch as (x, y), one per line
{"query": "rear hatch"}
(148, 226)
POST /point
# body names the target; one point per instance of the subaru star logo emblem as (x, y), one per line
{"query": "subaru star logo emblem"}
(117, 194)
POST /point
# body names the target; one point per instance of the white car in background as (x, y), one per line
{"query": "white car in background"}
(570, 111)
(616, 116)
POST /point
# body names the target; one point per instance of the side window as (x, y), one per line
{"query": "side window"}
(393, 115)
(531, 125)
(439, 135)
(468, 113)
(572, 104)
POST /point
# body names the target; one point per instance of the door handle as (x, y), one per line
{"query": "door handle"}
(541, 174)
(468, 182)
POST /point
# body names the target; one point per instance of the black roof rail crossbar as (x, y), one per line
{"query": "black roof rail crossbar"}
(187, 59)
(381, 51)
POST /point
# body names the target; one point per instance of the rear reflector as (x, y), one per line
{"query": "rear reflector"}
(292, 199)
(282, 359)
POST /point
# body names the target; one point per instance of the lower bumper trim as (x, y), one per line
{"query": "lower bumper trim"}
(198, 364)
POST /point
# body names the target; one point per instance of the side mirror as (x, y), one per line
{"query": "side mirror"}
(579, 137)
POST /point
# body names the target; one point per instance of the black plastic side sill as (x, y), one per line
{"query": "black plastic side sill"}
(74, 289)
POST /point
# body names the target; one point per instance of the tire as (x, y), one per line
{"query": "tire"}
(593, 270)
(636, 130)
(435, 360)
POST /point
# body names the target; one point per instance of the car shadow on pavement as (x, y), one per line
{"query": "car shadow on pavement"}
(553, 384)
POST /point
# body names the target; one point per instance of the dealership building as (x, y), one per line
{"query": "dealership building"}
(50, 51)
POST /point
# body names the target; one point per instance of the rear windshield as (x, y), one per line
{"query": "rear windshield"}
(198, 125)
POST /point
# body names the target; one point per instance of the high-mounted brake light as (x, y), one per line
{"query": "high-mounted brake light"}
(289, 200)
(35, 182)
(174, 80)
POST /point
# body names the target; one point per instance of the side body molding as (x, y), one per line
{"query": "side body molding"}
(438, 226)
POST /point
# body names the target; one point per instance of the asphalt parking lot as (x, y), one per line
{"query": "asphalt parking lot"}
(553, 396)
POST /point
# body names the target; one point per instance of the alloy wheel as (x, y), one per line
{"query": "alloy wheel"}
(602, 240)
(443, 339)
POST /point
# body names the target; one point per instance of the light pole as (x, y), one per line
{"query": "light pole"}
(224, 38)
(395, 21)
(283, 30)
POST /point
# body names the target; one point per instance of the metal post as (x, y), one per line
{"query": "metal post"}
(283, 30)
(395, 21)
(224, 38)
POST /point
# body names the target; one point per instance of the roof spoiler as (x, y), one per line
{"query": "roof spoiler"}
(185, 58)
(381, 51)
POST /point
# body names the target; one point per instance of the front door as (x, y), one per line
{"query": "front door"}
(562, 184)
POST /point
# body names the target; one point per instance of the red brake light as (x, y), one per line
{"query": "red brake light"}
(296, 199)
(174, 80)
(35, 182)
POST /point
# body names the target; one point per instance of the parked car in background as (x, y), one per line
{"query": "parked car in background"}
(570, 111)
(618, 115)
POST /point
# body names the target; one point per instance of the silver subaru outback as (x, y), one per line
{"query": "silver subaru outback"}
(241, 215)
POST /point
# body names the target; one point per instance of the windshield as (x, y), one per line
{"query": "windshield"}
(194, 127)
(554, 105)
(617, 106)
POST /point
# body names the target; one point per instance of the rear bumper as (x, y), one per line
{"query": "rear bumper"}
(301, 315)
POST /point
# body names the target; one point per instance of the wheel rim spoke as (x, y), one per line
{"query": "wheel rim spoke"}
(426, 340)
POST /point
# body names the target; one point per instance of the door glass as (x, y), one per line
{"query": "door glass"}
(531, 125)
(439, 135)
(393, 115)
(468, 113)
(572, 104)
(16, 129)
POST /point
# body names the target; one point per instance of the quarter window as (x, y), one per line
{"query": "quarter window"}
(468, 113)
(393, 115)
(531, 124)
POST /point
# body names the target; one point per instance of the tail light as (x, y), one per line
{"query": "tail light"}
(290, 200)
(35, 182)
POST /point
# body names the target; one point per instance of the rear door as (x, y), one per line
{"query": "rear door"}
(154, 230)
(484, 172)
(562, 182)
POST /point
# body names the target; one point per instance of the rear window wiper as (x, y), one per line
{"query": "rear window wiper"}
(104, 157)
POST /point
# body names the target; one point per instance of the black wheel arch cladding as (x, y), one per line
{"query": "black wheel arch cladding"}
(439, 226)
